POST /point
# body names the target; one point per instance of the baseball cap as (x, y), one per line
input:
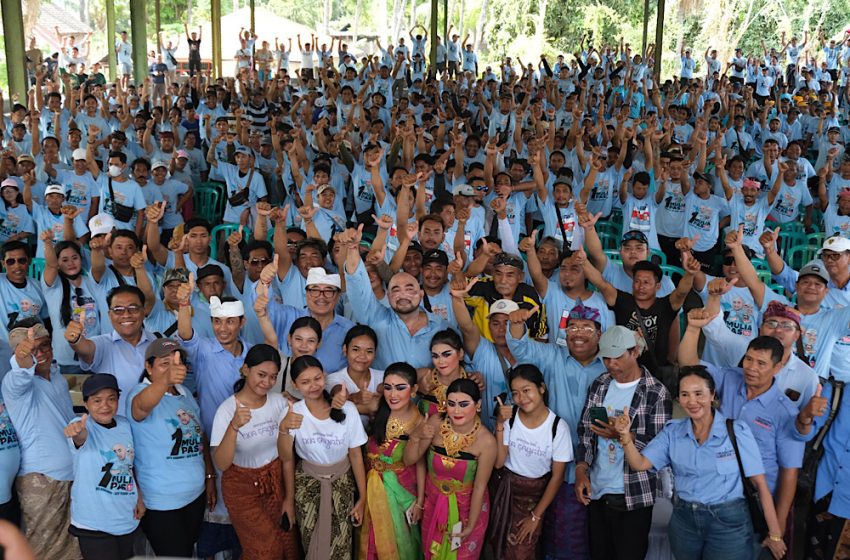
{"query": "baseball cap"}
(830, 129)
(26, 157)
(463, 190)
(702, 177)
(245, 150)
(325, 187)
(162, 347)
(837, 243)
(415, 246)
(209, 270)
(505, 306)
(101, 224)
(97, 382)
(10, 183)
(616, 341)
(508, 259)
(634, 235)
(318, 275)
(178, 274)
(54, 189)
(815, 268)
(157, 164)
(79, 153)
(182, 154)
(435, 256)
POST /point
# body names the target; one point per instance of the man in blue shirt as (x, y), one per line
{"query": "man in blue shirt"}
(405, 330)
(40, 407)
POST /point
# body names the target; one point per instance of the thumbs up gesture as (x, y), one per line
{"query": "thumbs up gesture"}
(24, 350)
(503, 411)
(340, 397)
(241, 416)
(75, 330)
(815, 407)
(177, 370)
(77, 430)
(184, 291)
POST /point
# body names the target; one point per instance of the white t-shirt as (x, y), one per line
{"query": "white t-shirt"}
(326, 442)
(531, 452)
(256, 442)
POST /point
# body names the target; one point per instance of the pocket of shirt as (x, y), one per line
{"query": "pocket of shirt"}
(727, 466)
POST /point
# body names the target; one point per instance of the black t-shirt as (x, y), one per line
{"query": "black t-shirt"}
(657, 322)
(194, 48)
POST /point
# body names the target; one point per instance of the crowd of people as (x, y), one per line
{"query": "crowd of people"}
(370, 308)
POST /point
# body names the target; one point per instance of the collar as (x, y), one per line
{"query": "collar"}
(180, 388)
(146, 337)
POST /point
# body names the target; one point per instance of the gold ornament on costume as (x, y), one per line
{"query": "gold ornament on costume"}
(397, 427)
(438, 390)
(454, 442)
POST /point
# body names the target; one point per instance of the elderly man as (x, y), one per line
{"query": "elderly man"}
(323, 292)
(40, 407)
(405, 330)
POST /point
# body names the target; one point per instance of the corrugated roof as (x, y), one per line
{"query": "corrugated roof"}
(68, 22)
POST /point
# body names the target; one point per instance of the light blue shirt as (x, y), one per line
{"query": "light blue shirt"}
(488, 361)
(559, 304)
(329, 351)
(104, 479)
(40, 409)
(115, 355)
(705, 473)
(10, 454)
(128, 193)
(770, 416)
(740, 313)
(169, 446)
(566, 378)
(397, 344)
(23, 302)
(607, 471)
(615, 275)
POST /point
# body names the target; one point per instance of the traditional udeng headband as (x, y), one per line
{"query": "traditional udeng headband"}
(226, 309)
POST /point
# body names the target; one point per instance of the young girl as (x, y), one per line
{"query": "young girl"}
(460, 459)
(16, 222)
(363, 382)
(104, 479)
(447, 356)
(245, 440)
(328, 442)
(534, 447)
(395, 491)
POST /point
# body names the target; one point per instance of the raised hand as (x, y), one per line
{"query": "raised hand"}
(241, 416)
(720, 286)
(528, 244)
(235, 238)
(815, 407)
(155, 211)
(269, 271)
(460, 287)
(139, 258)
(261, 302)
(185, 291)
(74, 330)
(699, 317)
(177, 370)
(292, 420)
(24, 350)
(100, 243)
(340, 398)
(520, 316)
(622, 424)
(75, 429)
(456, 266)
(503, 411)
(768, 239)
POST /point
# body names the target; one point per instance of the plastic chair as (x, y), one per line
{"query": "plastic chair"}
(219, 236)
(798, 256)
(609, 240)
(790, 238)
(816, 239)
(670, 270)
(208, 199)
(760, 265)
(792, 227)
(662, 258)
(36, 269)
(613, 255)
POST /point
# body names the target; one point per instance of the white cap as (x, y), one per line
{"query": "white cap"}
(54, 189)
(157, 164)
(79, 153)
(463, 190)
(101, 224)
(837, 243)
(318, 275)
(325, 187)
(505, 306)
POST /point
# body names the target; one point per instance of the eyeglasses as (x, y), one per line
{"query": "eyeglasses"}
(325, 292)
(20, 260)
(584, 330)
(259, 262)
(780, 325)
(825, 255)
(42, 348)
(129, 309)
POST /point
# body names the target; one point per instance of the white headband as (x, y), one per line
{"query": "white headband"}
(227, 309)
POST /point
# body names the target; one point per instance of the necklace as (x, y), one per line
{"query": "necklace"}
(438, 390)
(396, 427)
(455, 442)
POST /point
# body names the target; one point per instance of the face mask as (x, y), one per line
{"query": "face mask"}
(115, 171)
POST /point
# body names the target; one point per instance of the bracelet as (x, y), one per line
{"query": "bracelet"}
(534, 518)
(210, 476)
(417, 506)
(76, 340)
(809, 423)
(235, 429)
(775, 538)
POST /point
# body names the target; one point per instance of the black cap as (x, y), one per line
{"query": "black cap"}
(635, 235)
(435, 256)
(98, 381)
(209, 270)
(415, 246)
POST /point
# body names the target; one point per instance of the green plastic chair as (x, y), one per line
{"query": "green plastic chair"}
(790, 238)
(815, 239)
(613, 255)
(36, 269)
(609, 241)
(662, 258)
(219, 236)
(798, 256)
(760, 265)
(208, 201)
(793, 227)
(670, 270)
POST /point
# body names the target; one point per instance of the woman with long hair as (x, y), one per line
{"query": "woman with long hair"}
(534, 449)
(447, 357)
(364, 384)
(71, 294)
(328, 440)
(460, 458)
(395, 492)
(710, 518)
(245, 445)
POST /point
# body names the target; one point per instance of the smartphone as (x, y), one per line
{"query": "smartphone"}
(284, 523)
(456, 528)
(598, 413)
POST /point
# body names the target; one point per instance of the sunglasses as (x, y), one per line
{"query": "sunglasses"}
(259, 262)
(20, 260)
(129, 309)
